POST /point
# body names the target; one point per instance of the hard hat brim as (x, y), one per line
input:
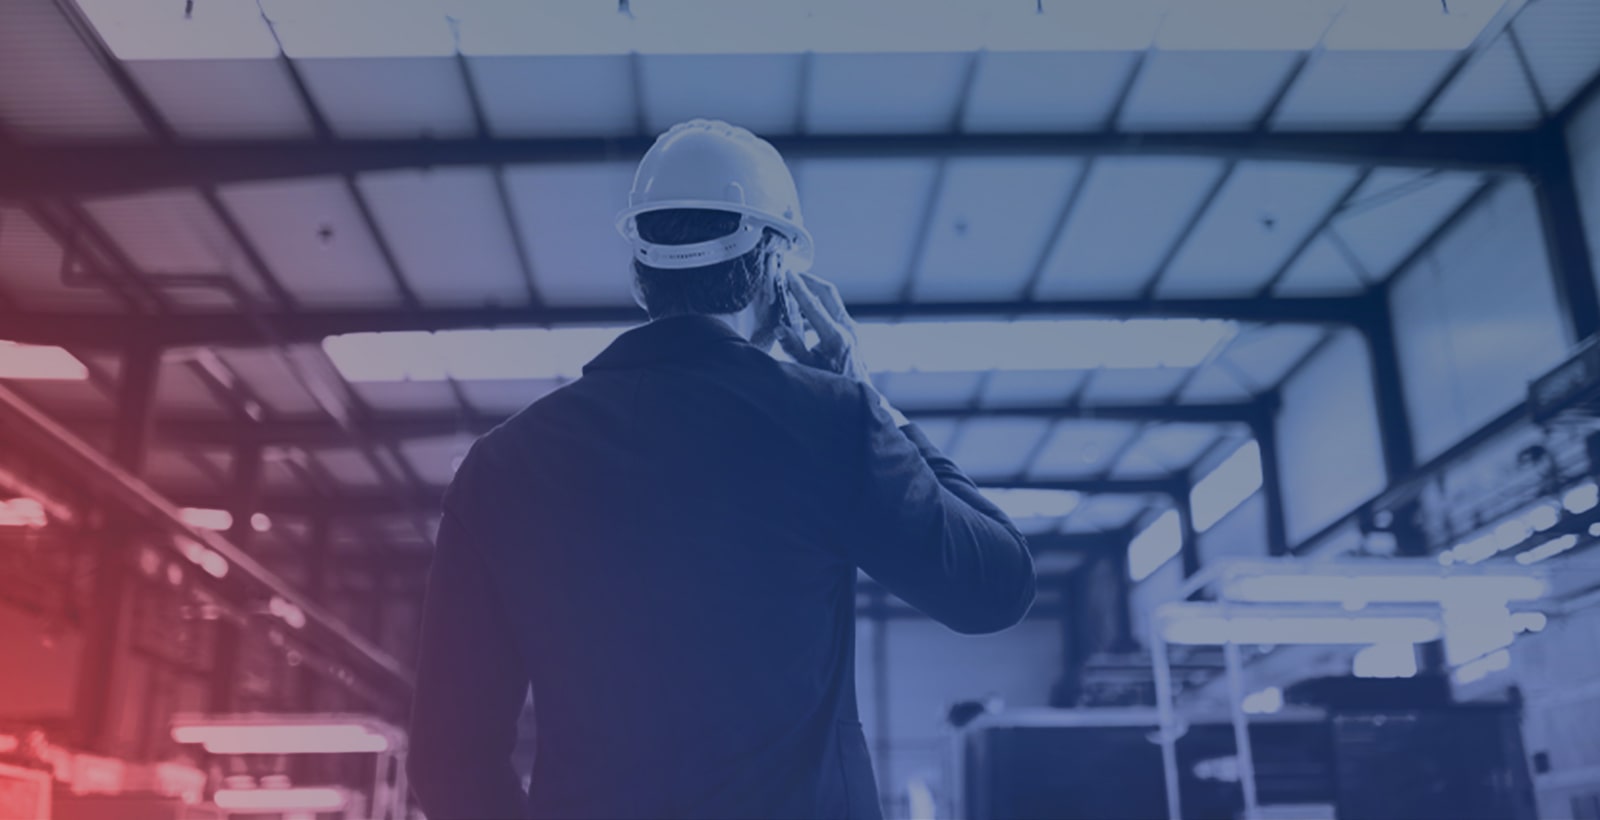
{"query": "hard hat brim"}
(801, 251)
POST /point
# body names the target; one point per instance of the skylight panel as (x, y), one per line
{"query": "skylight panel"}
(907, 347)
(1023, 502)
(41, 363)
(1225, 488)
(217, 29)
(1154, 545)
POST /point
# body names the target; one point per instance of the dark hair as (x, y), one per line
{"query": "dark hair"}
(721, 288)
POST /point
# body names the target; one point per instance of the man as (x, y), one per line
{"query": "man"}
(667, 549)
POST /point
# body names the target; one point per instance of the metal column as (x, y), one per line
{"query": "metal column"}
(1561, 217)
(106, 622)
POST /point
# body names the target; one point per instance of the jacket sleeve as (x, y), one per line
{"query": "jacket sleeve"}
(921, 528)
(470, 689)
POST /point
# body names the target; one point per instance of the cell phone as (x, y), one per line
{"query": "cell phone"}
(785, 308)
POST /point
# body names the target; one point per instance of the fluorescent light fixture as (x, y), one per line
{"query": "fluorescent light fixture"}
(207, 519)
(290, 614)
(1385, 660)
(1222, 490)
(213, 563)
(498, 354)
(1268, 701)
(1547, 550)
(261, 522)
(1041, 344)
(261, 801)
(1205, 625)
(307, 738)
(1582, 498)
(1018, 502)
(1528, 622)
(1363, 588)
(23, 512)
(1474, 671)
(39, 363)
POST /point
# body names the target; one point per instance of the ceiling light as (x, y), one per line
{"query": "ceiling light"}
(41, 363)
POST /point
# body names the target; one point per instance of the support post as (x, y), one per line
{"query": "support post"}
(1189, 547)
(106, 626)
(316, 589)
(1266, 434)
(1561, 217)
(1394, 422)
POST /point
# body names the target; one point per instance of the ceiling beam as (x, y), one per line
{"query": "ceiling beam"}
(381, 502)
(87, 168)
(229, 329)
(319, 431)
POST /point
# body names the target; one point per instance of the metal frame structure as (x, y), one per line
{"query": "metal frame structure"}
(51, 179)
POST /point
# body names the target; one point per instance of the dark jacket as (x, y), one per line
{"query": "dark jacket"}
(667, 550)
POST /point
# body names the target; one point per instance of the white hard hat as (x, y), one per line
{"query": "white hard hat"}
(711, 165)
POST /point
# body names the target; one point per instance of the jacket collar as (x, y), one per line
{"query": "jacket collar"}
(666, 339)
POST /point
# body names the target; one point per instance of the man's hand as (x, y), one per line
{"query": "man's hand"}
(836, 332)
(836, 335)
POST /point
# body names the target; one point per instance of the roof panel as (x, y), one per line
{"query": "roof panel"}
(506, 396)
(996, 448)
(1361, 89)
(31, 259)
(909, 391)
(176, 232)
(180, 391)
(1215, 383)
(1020, 92)
(1264, 354)
(348, 467)
(1165, 450)
(435, 459)
(939, 432)
(172, 471)
(66, 94)
(993, 217)
(1322, 270)
(1009, 388)
(265, 372)
(1117, 386)
(1103, 513)
(413, 396)
(864, 216)
(1188, 90)
(568, 96)
(1389, 218)
(77, 399)
(884, 93)
(314, 240)
(1081, 448)
(390, 96)
(449, 233)
(759, 92)
(1560, 37)
(224, 98)
(567, 214)
(1491, 92)
(1262, 214)
(1130, 212)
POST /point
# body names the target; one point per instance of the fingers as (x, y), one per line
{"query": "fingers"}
(828, 294)
(795, 346)
(830, 335)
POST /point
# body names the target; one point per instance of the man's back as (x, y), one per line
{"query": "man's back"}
(667, 549)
